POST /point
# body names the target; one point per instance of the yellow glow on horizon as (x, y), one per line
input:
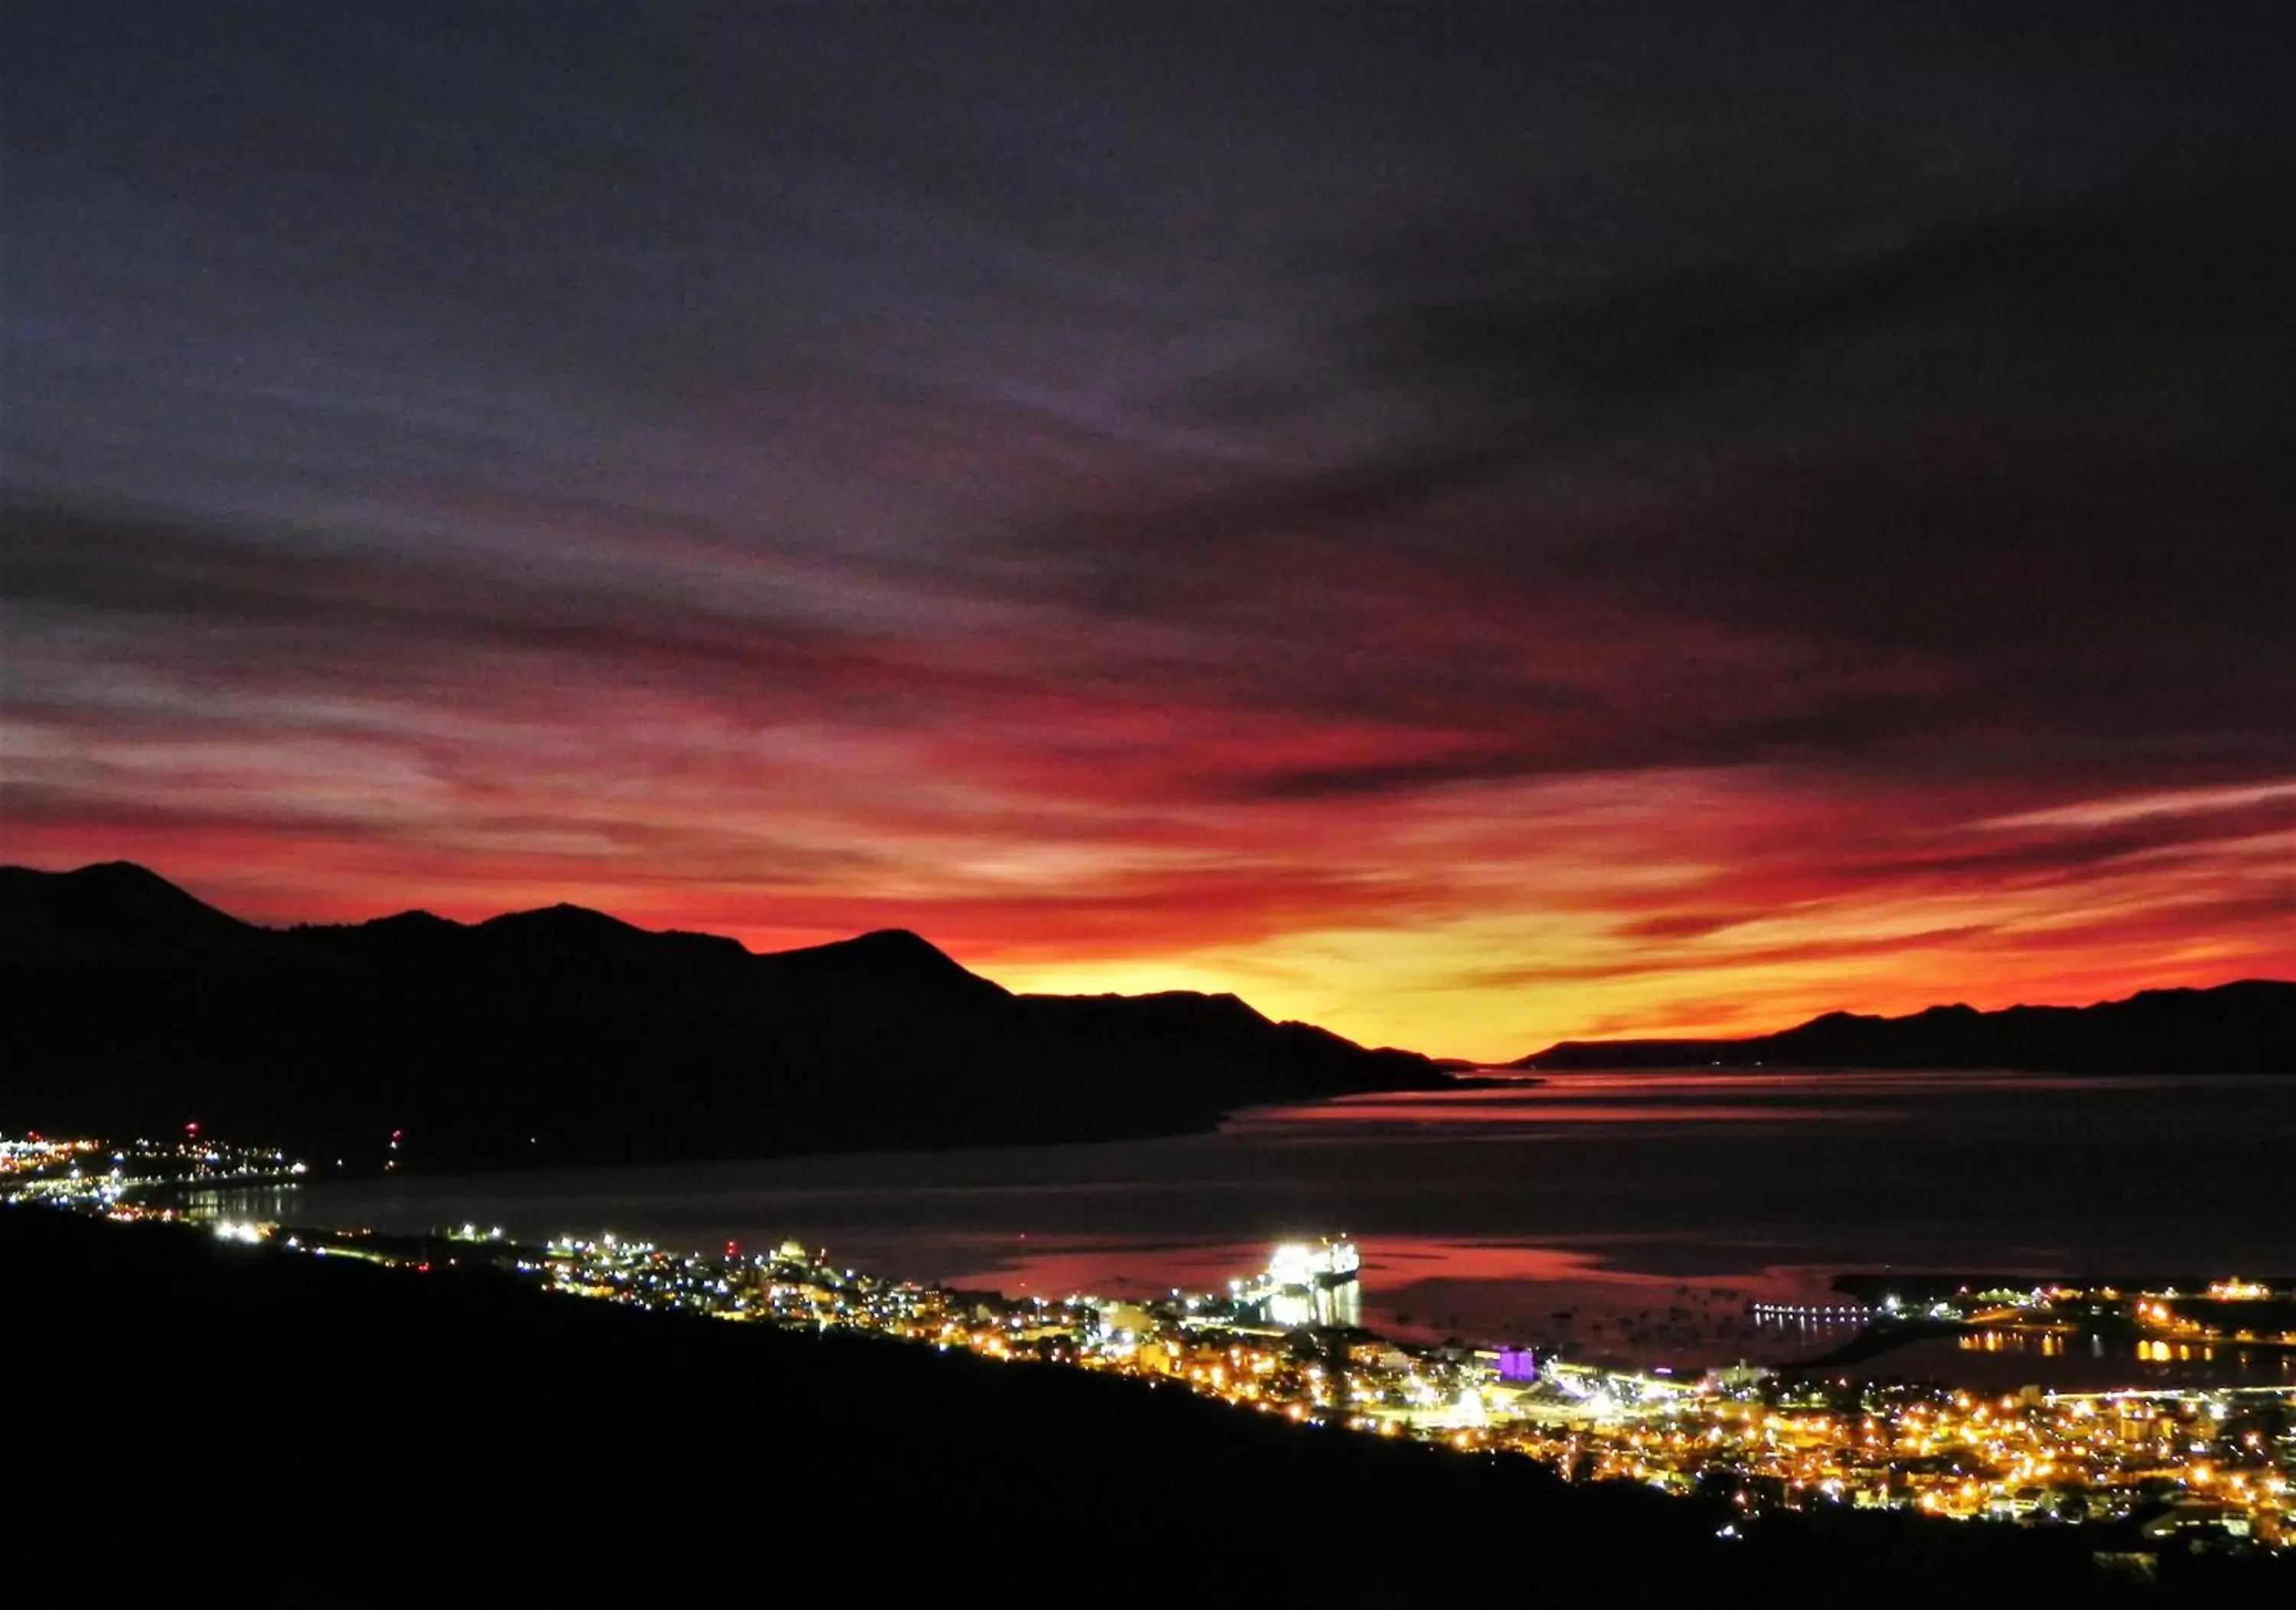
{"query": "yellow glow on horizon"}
(1483, 922)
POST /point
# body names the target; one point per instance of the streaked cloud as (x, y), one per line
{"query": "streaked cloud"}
(1460, 533)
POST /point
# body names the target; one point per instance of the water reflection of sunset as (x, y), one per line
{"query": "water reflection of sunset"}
(1812, 1095)
(1429, 1288)
(1487, 1212)
(1411, 1111)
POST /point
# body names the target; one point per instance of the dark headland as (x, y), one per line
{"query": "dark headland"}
(2248, 1027)
(564, 1035)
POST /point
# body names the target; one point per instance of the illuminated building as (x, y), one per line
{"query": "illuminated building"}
(1311, 1286)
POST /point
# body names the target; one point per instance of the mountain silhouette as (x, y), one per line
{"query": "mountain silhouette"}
(564, 1035)
(2248, 1027)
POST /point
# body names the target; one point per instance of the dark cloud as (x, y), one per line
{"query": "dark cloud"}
(2146, 262)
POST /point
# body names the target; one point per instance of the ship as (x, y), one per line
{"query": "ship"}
(1325, 1266)
(1310, 1285)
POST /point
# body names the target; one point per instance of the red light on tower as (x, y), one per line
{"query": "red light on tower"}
(732, 1251)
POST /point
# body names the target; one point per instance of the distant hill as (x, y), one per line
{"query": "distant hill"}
(2246, 1028)
(564, 1035)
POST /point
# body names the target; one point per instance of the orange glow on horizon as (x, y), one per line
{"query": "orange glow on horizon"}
(1483, 922)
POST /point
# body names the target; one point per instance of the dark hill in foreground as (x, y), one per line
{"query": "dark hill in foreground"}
(270, 1428)
(564, 1035)
(2248, 1027)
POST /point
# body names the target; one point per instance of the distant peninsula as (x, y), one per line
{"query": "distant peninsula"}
(563, 1036)
(2248, 1027)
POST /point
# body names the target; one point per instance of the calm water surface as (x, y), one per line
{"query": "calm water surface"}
(1630, 1214)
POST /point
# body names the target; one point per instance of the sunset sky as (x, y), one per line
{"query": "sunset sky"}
(1467, 528)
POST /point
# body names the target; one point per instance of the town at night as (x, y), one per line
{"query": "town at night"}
(2208, 1465)
(1417, 802)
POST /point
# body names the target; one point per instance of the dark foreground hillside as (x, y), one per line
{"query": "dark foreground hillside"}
(276, 1429)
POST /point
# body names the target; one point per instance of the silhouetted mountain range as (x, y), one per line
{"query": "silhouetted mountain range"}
(2246, 1028)
(564, 1035)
